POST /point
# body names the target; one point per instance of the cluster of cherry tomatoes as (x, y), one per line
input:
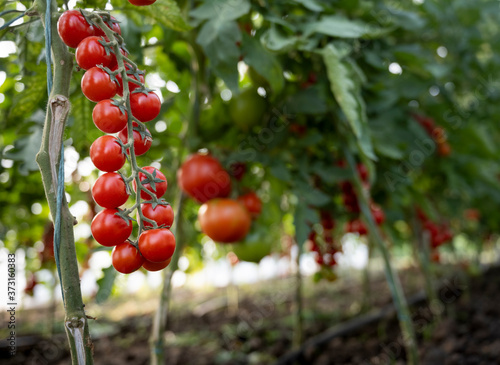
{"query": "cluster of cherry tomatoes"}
(103, 83)
(350, 200)
(221, 218)
(438, 134)
(439, 234)
(324, 249)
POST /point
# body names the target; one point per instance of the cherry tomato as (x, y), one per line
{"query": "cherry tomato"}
(106, 154)
(378, 214)
(157, 245)
(109, 229)
(73, 28)
(112, 24)
(136, 75)
(356, 226)
(202, 177)
(141, 2)
(326, 220)
(142, 143)
(160, 185)
(363, 172)
(224, 220)
(444, 149)
(238, 169)
(114, 65)
(145, 107)
(97, 85)
(163, 215)
(110, 191)
(90, 53)
(252, 202)
(126, 258)
(108, 117)
(156, 266)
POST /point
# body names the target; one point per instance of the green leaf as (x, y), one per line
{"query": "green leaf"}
(275, 40)
(24, 103)
(342, 27)
(310, 4)
(219, 43)
(308, 101)
(80, 126)
(221, 10)
(264, 62)
(105, 284)
(345, 83)
(280, 171)
(25, 150)
(165, 12)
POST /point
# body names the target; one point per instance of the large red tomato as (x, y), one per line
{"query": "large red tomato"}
(157, 245)
(109, 229)
(224, 220)
(106, 154)
(163, 215)
(202, 177)
(91, 52)
(73, 28)
(110, 191)
(108, 117)
(97, 85)
(126, 258)
(252, 202)
(145, 107)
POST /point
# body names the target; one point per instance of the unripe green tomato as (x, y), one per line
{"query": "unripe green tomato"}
(247, 109)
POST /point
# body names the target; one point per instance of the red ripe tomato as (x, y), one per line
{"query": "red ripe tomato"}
(112, 24)
(363, 172)
(157, 245)
(141, 2)
(160, 185)
(110, 191)
(444, 149)
(142, 143)
(108, 117)
(326, 220)
(145, 107)
(378, 214)
(238, 169)
(156, 266)
(97, 85)
(202, 177)
(224, 220)
(252, 202)
(106, 154)
(91, 52)
(73, 28)
(109, 229)
(163, 215)
(356, 226)
(136, 75)
(126, 258)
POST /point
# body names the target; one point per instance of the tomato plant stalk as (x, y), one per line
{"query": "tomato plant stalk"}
(398, 297)
(76, 324)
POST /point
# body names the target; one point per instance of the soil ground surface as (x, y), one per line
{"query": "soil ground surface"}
(203, 329)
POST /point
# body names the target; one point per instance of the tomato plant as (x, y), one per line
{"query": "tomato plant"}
(252, 203)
